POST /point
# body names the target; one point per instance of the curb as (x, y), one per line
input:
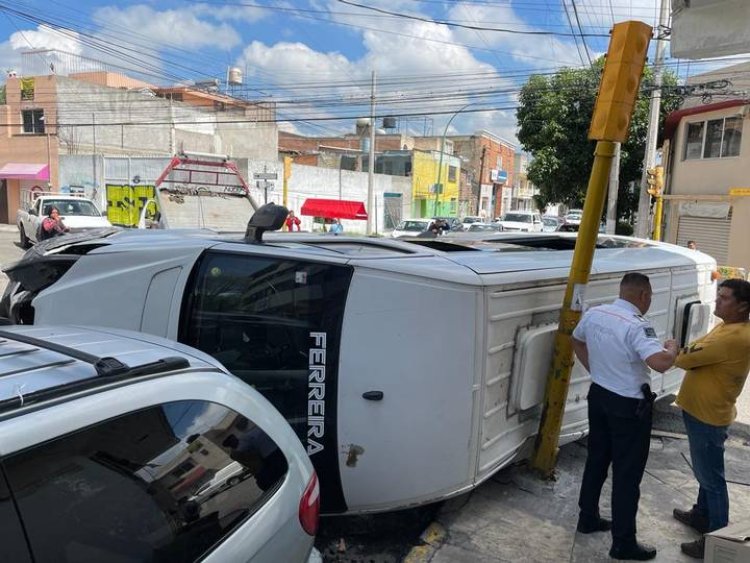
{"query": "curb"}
(668, 417)
(432, 538)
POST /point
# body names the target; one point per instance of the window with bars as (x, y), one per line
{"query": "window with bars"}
(33, 121)
(715, 138)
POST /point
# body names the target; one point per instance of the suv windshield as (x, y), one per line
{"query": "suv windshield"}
(517, 217)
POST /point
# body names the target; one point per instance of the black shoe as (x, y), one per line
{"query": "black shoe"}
(696, 521)
(589, 526)
(695, 548)
(634, 552)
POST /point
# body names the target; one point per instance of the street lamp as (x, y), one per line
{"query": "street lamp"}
(439, 185)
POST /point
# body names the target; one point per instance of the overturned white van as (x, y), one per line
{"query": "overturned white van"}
(411, 371)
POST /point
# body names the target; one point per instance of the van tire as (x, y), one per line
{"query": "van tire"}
(25, 242)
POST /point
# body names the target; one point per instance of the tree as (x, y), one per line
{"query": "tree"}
(2, 94)
(553, 117)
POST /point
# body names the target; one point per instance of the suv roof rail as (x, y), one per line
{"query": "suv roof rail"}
(105, 367)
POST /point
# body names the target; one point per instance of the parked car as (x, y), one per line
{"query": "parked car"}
(574, 227)
(551, 223)
(106, 432)
(77, 213)
(411, 227)
(466, 222)
(522, 221)
(454, 224)
(485, 228)
(331, 330)
(573, 217)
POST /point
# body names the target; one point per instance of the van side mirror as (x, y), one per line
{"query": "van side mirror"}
(32, 211)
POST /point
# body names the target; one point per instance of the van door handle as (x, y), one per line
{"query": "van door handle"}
(373, 395)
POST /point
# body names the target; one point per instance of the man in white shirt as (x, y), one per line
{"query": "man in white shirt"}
(618, 347)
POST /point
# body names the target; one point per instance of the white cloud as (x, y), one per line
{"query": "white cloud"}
(175, 28)
(45, 37)
(248, 14)
(536, 51)
(419, 50)
(11, 60)
(63, 55)
(292, 63)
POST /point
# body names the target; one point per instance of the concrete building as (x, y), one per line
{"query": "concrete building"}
(707, 188)
(416, 158)
(523, 190)
(104, 113)
(490, 164)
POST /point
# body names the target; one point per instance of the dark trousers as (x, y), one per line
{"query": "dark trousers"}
(620, 437)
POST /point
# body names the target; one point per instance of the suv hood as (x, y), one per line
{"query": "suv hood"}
(516, 225)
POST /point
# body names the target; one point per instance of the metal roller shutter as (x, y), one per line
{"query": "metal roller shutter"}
(710, 234)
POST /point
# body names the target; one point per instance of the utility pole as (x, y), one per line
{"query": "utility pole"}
(172, 140)
(93, 135)
(371, 168)
(481, 175)
(614, 189)
(649, 158)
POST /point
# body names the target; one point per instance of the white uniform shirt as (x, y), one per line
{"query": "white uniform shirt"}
(618, 340)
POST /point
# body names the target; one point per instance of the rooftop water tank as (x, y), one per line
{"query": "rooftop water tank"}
(234, 76)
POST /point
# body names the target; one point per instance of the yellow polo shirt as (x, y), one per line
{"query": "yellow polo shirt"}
(716, 367)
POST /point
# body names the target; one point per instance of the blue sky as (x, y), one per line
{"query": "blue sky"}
(315, 57)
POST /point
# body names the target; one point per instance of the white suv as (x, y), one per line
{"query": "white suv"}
(523, 221)
(106, 436)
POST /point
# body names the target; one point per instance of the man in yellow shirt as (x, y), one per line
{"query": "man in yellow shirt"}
(716, 368)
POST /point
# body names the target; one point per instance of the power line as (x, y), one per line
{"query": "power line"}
(583, 38)
(465, 26)
(575, 37)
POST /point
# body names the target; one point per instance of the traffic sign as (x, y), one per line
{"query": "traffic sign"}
(264, 185)
(265, 176)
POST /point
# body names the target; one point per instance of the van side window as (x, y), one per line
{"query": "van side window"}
(259, 316)
(161, 484)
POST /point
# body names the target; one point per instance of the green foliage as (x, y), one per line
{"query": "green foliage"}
(623, 228)
(553, 117)
(2, 95)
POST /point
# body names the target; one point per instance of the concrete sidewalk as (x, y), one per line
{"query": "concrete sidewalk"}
(517, 517)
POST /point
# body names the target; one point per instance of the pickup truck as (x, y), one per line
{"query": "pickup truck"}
(77, 212)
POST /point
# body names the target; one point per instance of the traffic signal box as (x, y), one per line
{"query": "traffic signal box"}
(621, 79)
(655, 179)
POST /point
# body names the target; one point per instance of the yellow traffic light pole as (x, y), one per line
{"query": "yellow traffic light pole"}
(610, 122)
(656, 187)
(287, 175)
(656, 235)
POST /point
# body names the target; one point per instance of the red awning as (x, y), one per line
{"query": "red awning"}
(334, 209)
(22, 171)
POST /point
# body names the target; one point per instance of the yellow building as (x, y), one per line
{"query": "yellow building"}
(426, 175)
